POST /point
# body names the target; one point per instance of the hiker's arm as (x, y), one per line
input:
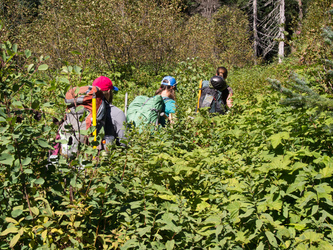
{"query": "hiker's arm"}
(119, 124)
(171, 118)
(229, 99)
(120, 128)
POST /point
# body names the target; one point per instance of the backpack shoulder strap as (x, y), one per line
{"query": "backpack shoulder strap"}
(167, 99)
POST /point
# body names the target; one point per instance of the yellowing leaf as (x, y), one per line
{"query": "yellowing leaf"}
(43, 67)
(9, 230)
(11, 220)
(14, 240)
(44, 235)
(35, 210)
(168, 197)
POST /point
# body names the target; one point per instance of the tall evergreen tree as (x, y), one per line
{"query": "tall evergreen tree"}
(302, 93)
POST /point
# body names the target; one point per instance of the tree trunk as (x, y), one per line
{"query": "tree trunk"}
(255, 31)
(299, 24)
(281, 31)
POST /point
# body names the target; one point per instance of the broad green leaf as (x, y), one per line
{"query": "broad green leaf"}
(247, 213)
(259, 224)
(130, 244)
(70, 69)
(4, 57)
(64, 70)
(43, 143)
(78, 108)
(15, 48)
(26, 161)
(44, 235)
(43, 67)
(242, 237)
(312, 236)
(261, 246)
(27, 54)
(299, 165)
(17, 212)
(298, 226)
(78, 70)
(28, 171)
(101, 189)
(14, 240)
(40, 82)
(75, 52)
(35, 210)
(6, 159)
(277, 138)
(47, 105)
(39, 181)
(64, 80)
(30, 67)
(17, 104)
(202, 205)
(9, 230)
(167, 197)
(11, 220)
(170, 244)
(271, 238)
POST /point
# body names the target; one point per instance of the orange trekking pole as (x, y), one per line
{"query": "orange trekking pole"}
(200, 86)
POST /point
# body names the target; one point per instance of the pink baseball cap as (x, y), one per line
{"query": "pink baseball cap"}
(104, 83)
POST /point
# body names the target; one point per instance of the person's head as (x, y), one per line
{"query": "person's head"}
(222, 71)
(106, 86)
(168, 87)
(169, 81)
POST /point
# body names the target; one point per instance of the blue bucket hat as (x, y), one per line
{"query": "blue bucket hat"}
(170, 81)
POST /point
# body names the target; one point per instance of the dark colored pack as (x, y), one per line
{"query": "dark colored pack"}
(212, 98)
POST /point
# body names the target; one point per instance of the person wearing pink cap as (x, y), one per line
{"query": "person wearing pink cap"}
(115, 118)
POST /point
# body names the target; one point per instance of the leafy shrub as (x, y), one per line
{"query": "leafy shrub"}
(232, 37)
(258, 177)
(310, 44)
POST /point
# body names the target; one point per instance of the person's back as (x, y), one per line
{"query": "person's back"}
(211, 95)
(167, 91)
(114, 124)
(115, 119)
(228, 92)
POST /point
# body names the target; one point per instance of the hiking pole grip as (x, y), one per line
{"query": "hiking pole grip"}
(200, 86)
(94, 116)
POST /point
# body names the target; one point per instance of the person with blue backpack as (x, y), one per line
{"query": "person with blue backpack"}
(167, 91)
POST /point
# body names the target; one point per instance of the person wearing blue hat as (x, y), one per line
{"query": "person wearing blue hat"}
(167, 91)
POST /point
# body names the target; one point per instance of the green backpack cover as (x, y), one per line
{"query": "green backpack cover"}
(145, 110)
